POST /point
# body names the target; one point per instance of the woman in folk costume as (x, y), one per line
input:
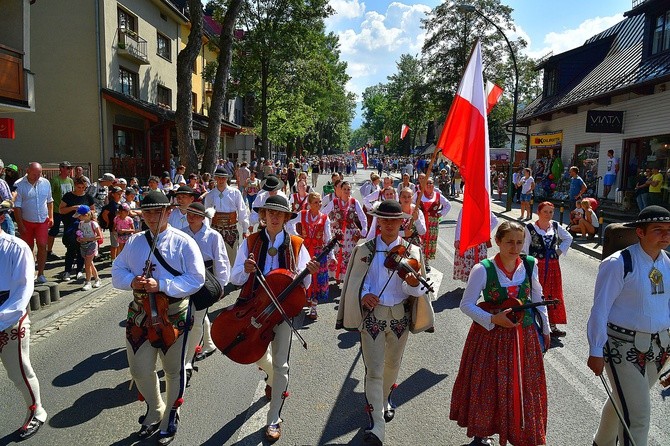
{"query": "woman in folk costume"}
(387, 194)
(463, 263)
(347, 221)
(299, 200)
(501, 387)
(314, 227)
(546, 240)
(434, 206)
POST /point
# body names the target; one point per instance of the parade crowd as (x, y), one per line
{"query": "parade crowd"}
(183, 240)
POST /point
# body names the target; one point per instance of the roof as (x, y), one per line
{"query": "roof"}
(622, 69)
(157, 113)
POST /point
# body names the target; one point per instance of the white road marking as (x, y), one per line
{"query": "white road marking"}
(253, 420)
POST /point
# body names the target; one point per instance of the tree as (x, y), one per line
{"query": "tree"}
(183, 114)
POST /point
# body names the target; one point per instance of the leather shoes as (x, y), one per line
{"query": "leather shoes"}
(370, 438)
(388, 415)
(30, 429)
(481, 441)
(166, 437)
(202, 355)
(268, 392)
(558, 333)
(273, 432)
(148, 431)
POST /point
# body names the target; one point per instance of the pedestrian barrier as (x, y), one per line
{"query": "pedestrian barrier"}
(45, 298)
(35, 301)
(54, 291)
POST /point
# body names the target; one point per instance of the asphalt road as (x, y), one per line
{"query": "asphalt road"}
(82, 367)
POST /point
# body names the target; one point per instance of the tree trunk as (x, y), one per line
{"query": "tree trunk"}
(220, 87)
(265, 73)
(183, 114)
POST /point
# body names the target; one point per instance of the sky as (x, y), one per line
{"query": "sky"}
(374, 33)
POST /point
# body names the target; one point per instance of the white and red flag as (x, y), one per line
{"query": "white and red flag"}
(465, 141)
(403, 131)
(493, 94)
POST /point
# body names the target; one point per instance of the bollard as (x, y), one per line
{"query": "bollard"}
(35, 301)
(54, 291)
(43, 291)
(562, 209)
(601, 219)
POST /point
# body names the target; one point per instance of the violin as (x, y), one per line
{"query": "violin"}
(515, 305)
(244, 330)
(408, 269)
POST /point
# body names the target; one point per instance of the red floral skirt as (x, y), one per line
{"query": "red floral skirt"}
(552, 288)
(485, 392)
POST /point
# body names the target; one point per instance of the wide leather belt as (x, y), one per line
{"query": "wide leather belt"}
(224, 219)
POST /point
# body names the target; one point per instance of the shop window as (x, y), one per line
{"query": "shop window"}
(163, 47)
(586, 159)
(164, 97)
(128, 143)
(128, 81)
(660, 33)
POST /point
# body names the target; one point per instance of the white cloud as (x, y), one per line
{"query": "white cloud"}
(559, 42)
(372, 49)
(348, 9)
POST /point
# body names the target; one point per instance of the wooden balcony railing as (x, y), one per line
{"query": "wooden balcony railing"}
(12, 77)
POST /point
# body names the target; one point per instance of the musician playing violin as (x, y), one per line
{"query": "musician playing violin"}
(181, 253)
(500, 387)
(379, 304)
(268, 250)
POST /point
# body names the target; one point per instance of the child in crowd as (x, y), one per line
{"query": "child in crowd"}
(501, 185)
(133, 204)
(588, 223)
(123, 225)
(88, 235)
(577, 213)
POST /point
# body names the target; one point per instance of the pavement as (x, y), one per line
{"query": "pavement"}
(73, 297)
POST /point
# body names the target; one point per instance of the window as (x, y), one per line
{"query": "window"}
(194, 102)
(550, 82)
(163, 45)
(128, 81)
(164, 96)
(126, 20)
(661, 33)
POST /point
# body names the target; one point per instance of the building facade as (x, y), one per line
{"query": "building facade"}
(17, 91)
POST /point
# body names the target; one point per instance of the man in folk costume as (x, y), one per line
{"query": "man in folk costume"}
(375, 228)
(214, 254)
(184, 196)
(271, 186)
(413, 228)
(230, 210)
(384, 308)
(348, 222)
(434, 206)
(268, 250)
(628, 327)
(16, 289)
(177, 272)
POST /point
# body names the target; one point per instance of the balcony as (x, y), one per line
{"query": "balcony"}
(132, 46)
(12, 79)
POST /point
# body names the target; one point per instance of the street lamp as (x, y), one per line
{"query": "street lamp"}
(510, 191)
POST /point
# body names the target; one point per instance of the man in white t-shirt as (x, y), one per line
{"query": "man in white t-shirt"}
(611, 171)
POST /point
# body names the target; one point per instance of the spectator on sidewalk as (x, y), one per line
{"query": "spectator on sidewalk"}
(88, 235)
(107, 218)
(6, 194)
(60, 185)
(100, 190)
(68, 206)
(79, 173)
(34, 213)
(577, 185)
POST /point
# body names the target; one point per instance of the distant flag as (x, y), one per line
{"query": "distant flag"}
(364, 157)
(403, 131)
(464, 140)
(493, 94)
(386, 139)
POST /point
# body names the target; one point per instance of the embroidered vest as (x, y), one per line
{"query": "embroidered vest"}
(312, 231)
(497, 294)
(345, 218)
(432, 208)
(299, 203)
(542, 247)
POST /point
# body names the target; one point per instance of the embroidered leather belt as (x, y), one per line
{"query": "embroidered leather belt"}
(642, 340)
(4, 295)
(631, 333)
(224, 219)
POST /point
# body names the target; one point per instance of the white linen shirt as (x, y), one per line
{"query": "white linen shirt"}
(397, 289)
(179, 250)
(229, 200)
(239, 277)
(628, 302)
(563, 235)
(178, 220)
(259, 201)
(419, 227)
(212, 248)
(18, 269)
(477, 283)
(359, 213)
(33, 199)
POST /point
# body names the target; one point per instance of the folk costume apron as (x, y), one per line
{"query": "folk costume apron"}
(343, 223)
(312, 232)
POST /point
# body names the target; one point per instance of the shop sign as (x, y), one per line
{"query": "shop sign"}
(7, 128)
(599, 121)
(546, 140)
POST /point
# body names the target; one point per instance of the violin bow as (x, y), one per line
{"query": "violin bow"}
(273, 298)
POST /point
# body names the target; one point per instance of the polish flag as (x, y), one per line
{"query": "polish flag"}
(465, 141)
(493, 94)
(403, 131)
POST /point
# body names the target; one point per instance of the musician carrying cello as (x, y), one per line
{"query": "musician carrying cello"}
(384, 308)
(268, 250)
(158, 317)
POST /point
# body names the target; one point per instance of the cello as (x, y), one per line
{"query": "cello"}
(244, 330)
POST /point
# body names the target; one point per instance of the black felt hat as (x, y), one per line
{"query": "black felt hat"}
(184, 190)
(650, 214)
(272, 183)
(277, 203)
(388, 209)
(221, 172)
(155, 199)
(197, 209)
